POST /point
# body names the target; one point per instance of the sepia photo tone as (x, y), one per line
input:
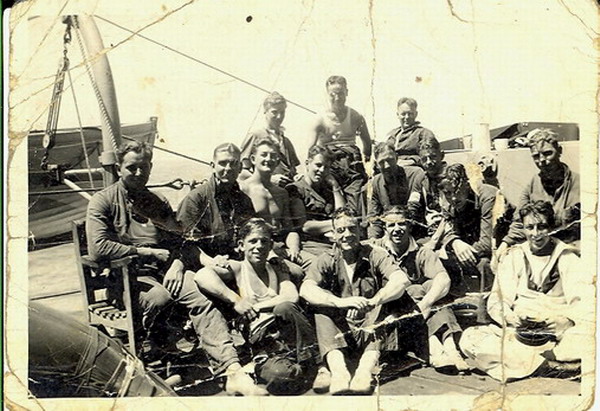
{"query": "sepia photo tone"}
(370, 205)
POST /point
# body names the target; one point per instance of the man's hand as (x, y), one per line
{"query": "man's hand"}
(280, 180)
(157, 253)
(220, 264)
(173, 280)
(465, 253)
(331, 181)
(294, 253)
(357, 303)
(244, 307)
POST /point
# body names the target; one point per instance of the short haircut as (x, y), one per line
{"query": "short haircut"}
(455, 175)
(539, 208)
(138, 147)
(252, 225)
(411, 102)
(320, 150)
(343, 212)
(544, 135)
(264, 141)
(227, 147)
(333, 80)
(429, 143)
(381, 148)
(397, 209)
(274, 99)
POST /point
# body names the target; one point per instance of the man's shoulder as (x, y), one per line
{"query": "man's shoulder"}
(424, 132)
(107, 194)
(487, 191)
(355, 115)
(414, 172)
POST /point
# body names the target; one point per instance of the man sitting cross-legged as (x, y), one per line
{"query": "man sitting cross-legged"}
(273, 203)
(430, 284)
(351, 290)
(127, 219)
(261, 295)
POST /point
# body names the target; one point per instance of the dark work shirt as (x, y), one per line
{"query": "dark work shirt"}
(211, 213)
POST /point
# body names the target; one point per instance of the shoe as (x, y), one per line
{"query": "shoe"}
(443, 363)
(322, 380)
(340, 383)
(361, 383)
(241, 383)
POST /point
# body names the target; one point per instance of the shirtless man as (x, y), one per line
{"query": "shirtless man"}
(272, 202)
(337, 129)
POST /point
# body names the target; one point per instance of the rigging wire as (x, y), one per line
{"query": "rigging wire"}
(83, 142)
(201, 62)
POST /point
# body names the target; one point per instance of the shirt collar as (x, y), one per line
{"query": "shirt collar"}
(412, 246)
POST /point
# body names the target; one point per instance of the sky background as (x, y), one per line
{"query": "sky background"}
(491, 62)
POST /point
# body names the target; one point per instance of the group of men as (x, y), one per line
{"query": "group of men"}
(280, 258)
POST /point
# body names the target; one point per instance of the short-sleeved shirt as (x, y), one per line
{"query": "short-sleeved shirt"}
(372, 270)
(419, 263)
(288, 159)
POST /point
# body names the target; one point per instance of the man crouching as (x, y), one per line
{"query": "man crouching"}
(352, 290)
(264, 299)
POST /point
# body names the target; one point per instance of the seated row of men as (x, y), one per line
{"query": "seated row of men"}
(239, 256)
(362, 298)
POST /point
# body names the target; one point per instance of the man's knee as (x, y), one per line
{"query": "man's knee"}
(285, 309)
(154, 299)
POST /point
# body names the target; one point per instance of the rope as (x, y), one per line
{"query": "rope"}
(233, 76)
(103, 111)
(171, 152)
(83, 142)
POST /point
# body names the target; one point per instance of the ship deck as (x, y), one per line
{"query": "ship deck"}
(53, 281)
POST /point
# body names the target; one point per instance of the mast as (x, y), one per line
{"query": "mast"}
(100, 74)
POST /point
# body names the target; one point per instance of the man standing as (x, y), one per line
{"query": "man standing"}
(555, 183)
(211, 212)
(352, 289)
(127, 219)
(337, 128)
(394, 186)
(406, 138)
(274, 109)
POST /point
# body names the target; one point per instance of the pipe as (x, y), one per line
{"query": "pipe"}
(76, 189)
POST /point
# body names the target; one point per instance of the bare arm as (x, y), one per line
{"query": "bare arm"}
(439, 288)
(287, 293)
(366, 138)
(395, 287)
(210, 282)
(316, 129)
(317, 296)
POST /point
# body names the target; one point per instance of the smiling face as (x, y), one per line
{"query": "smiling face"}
(265, 158)
(397, 228)
(406, 115)
(537, 231)
(345, 232)
(274, 115)
(256, 246)
(336, 95)
(226, 166)
(135, 170)
(546, 157)
(317, 168)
